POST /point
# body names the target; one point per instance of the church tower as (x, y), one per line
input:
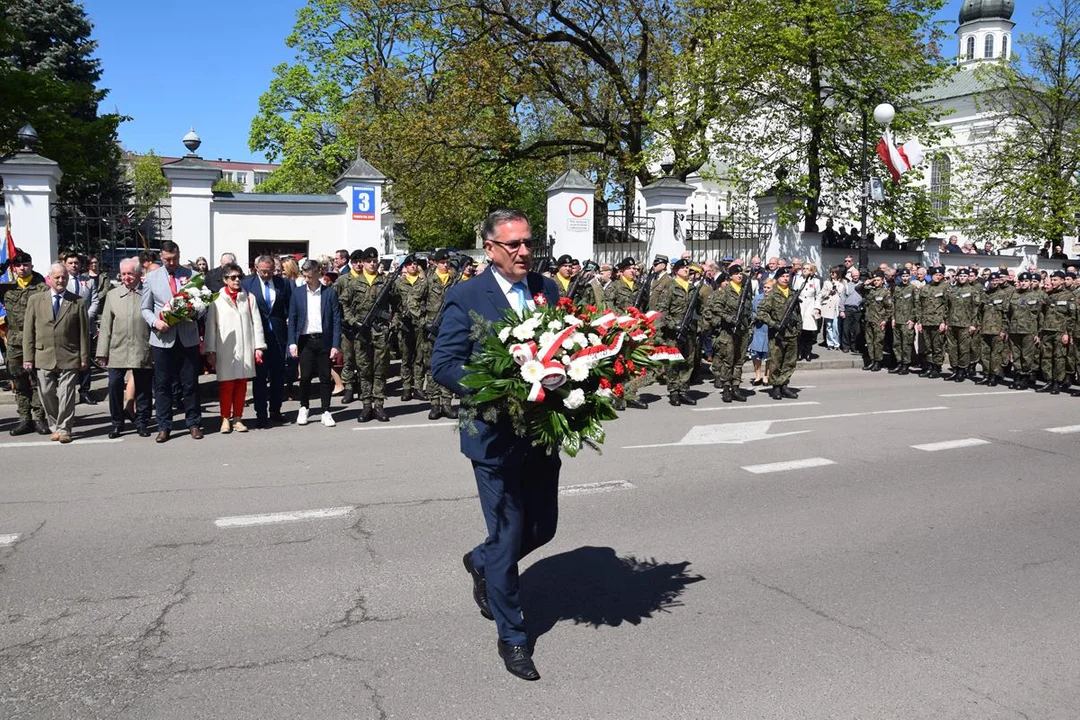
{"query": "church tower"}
(985, 31)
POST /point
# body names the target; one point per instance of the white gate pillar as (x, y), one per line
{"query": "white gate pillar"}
(570, 219)
(190, 181)
(30, 182)
(663, 199)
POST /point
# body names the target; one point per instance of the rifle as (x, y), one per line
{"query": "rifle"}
(688, 316)
(589, 267)
(789, 310)
(375, 312)
(643, 292)
(431, 329)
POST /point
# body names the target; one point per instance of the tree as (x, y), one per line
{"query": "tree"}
(149, 185)
(50, 78)
(227, 185)
(1024, 178)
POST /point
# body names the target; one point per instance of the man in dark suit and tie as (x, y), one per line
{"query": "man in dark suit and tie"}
(272, 295)
(518, 484)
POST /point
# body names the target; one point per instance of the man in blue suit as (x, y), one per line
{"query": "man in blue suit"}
(272, 295)
(518, 484)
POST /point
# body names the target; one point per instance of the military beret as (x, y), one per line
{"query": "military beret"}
(680, 263)
(937, 270)
(564, 260)
(962, 271)
(356, 256)
(370, 254)
(660, 260)
(625, 263)
(722, 276)
(1070, 274)
(781, 271)
(904, 271)
(408, 259)
(575, 262)
(995, 275)
(1059, 274)
(20, 258)
(727, 259)
(734, 269)
(1023, 277)
(879, 274)
(440, 255)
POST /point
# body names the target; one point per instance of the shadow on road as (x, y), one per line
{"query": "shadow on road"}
(594, 586)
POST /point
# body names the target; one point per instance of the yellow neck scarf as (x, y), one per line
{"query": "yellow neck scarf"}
(565, 282)
(629, 283)
(412, 279)
(353, 273)
(736, 287)
(370, 278)
(23, 283)
(785, 291)
(443, 278)
(684, 284)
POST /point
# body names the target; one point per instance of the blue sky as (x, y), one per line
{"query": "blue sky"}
(174, 64)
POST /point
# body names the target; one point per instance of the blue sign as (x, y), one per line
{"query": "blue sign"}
(363, 202)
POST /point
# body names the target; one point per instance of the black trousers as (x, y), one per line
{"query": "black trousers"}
(314, 359)
(176, 364)
(269, 383)
(144, 383)
(851, 329)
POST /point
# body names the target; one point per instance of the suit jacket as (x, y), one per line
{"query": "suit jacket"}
(492, 443)
(331, 315)
(60, 344)
(157, 292)
(279, 314)
(86, 287)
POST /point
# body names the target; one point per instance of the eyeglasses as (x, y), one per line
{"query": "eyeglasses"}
(233, 277)
(514, 245)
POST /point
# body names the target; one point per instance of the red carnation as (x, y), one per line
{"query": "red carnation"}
(619, 367)
(618, 391)
(566, 304)
(590, 308)
(605, 383)
(630, 365)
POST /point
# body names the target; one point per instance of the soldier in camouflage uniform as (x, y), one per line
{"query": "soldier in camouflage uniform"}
(15, 295)
(659, 284)
(930, 315)
(905, 297)
(731, 331)
(878, 313)
(1022, 324)
(994, 306)
(783, 348)
(372, 344)
(410, 300)
(1056, 325)
(1073, 287)
(681, 302)
(349, 341)
(961, 317)
(618, 296)
(439, 283)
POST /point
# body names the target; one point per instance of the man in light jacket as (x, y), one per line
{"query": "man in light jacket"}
(124, 344)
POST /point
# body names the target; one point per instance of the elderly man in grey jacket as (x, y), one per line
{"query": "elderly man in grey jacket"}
(173, 348)
(123, 345)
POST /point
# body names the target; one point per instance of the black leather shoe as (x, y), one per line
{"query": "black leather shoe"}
(86, 399)
(774, 393)
(903, 370)
(935, 373)
(787, 392)
(1047, 388)
(449, 411)
(674, 400)
(637, 405)
(261, 423)
(279, 418)
(435, 412)
(25, 427)
(380, 414)
(366, 414)
(406, 396)
(992, 381)
(479, 587)
(959, 376)
(144, 432)
(686, 399)
(114, 433)
(518, 661)
(875, 366)
(348, 397)
(895, 370)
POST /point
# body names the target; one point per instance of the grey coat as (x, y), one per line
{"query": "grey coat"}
(156, 293)
(124, 340)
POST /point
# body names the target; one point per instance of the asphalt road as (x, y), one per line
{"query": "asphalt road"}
(795, 559)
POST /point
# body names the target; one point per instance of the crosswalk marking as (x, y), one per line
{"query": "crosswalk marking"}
(1064, 429)
(977, 394)
(406, 427)
(788, 465)
(950, 444)
(773, 406)
(597, 487)
(282, 517)
(6, 540)
(53, 443)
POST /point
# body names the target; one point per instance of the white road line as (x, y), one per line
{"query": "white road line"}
(863, 414)
(6, 540)
(788, 465)
(598, 487)
(1064, 429)
(951, 444)
(406, 427)
(976, 394)
(282, 517)
(51, 443)
(755, 407)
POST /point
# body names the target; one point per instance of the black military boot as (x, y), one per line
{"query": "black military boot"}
(992, 380)
(348, 397)
(774, 392)
(619, 404)
(903, 370)
(636, 404)
(406, 395)
(925, 371)
(419, 394)
(895, 369)
(673, 399)
(725, 394)
(449, 411)
(716, 383)
(984, 380)
(875, 366)
(869, 365)
(366, 414)
(435, 412)
(25, 427)
(960, 375)
(1050, 387)
(787, 392)
(1017, 382)
(1075, 392)
(935, 372)
(686, 399)
(380, 414)
(737, 394)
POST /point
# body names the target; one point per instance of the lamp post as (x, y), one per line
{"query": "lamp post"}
(883, 115)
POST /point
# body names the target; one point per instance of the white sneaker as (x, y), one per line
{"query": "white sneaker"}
(327, 419)
(301, 416)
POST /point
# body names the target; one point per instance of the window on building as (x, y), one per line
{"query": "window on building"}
(260, 177)
(1005, 46)
(241, 177)
(227, 176)
(940, 179)
(988, 47)
(970, 48)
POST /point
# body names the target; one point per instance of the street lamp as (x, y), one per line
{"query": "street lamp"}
(883, 115)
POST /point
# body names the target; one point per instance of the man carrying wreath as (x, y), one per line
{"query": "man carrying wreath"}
(518, 483)
(173, 348)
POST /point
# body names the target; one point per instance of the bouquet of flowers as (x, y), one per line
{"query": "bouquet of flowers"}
(189, 302)
(555, 370)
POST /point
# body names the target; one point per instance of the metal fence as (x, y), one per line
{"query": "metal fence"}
(712, 237)
(621, 234)
(111, 230)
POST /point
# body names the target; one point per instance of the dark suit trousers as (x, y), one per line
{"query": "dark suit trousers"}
(269, 379)
(520, 501)
(172, 364)
(144, 382)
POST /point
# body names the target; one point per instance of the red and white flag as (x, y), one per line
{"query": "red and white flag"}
(899, 159)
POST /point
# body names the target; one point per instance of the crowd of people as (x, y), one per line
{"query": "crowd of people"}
(284, 323)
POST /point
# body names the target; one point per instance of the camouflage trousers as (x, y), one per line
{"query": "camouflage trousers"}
(348, 362)
(959, 346)
(1054, 356)
(875, 340)
(903, 343)
(27, 401)
(783, 354)
(372, 364)
(678, 376)
(1024, 353)
(412, 370)
(437, 394)
(933, 344)
(729, 354)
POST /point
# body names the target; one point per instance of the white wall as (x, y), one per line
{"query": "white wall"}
(236, 224)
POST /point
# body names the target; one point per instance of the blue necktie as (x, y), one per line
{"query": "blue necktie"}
(55, 305)
(266, 295)
(519, 292)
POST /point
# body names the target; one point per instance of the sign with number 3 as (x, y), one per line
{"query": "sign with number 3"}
(363, 203)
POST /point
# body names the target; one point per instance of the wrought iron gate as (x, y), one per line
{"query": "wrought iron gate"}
(620, 234)
(111, 230)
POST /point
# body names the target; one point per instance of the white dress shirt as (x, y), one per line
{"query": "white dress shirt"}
(273, 292)
(313, 322)
(511, 294)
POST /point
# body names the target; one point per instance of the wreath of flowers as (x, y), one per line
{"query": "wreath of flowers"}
(188, 303)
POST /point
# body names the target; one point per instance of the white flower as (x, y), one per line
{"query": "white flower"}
(578, 370)
(504, 334)
(522, 332)
(595, 340)
(205, 292)
(546, 339)
(579, 340)
(565, 359)
(568, 343)
(603, 392)
(572, 320)
(554, 325)
(532, 323)
(532, 371)
(575, 399)
(192, 291)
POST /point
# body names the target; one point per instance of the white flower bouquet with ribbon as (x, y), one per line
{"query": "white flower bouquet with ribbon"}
(555, 371)
(189, 303)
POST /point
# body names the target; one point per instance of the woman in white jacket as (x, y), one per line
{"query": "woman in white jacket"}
(831, 290)
(808, 305)
(234, 344)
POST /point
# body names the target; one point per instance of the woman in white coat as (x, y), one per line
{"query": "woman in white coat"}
(234, 344)
(831, 290)
(808, 305)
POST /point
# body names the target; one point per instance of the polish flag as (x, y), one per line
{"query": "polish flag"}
(899, 159)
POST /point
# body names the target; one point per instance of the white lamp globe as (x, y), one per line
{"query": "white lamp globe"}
(884, 114)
